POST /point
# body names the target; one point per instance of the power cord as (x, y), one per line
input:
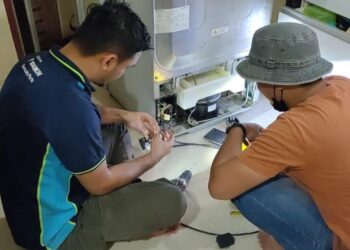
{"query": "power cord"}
(223, 240)
(146, 144)
(194, 122)
(185, 144)
(217, 234)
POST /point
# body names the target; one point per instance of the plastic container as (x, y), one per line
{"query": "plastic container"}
(343, 23)
(321, 14)
(294, 4)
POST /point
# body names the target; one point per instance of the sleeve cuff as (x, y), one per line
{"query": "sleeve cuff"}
(92, 168)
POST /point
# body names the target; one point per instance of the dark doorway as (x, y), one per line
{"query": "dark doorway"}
(35, 24)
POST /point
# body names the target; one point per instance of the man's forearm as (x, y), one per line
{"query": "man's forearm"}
(124, 173)
(111, 115)
(229, 150)
(231, 147)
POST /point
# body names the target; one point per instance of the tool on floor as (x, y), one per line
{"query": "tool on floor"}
(235, 213)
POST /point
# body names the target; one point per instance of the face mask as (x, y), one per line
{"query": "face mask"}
(279, 105)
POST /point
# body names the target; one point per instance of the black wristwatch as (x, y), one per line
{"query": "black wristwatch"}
(239, 125)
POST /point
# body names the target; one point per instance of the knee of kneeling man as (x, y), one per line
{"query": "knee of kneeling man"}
(175, 201)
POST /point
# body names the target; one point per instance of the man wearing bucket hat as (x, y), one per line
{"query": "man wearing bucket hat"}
(293, 181)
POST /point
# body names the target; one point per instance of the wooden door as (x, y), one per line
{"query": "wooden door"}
(16, 34)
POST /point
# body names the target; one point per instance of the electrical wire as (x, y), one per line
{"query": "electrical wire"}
(189, 121)
(235, 63)
(195, 122)
(182, 144)
(217, 234)
(246, 96)
(164, 107)
(194, 79)
(185, 144)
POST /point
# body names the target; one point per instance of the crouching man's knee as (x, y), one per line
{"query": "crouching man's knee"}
(171, 204)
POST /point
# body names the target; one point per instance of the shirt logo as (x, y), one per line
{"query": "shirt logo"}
(28, 75)
(35, 68)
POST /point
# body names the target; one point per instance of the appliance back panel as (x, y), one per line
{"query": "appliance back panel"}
(218, 31)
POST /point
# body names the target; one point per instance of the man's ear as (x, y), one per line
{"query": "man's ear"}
(109, 61)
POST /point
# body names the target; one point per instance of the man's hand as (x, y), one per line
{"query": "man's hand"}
(167, 231)
(104, 179)
(161, 144)
(141, 122)
(253, 130)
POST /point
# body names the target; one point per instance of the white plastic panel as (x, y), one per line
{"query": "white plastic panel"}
(207, 84)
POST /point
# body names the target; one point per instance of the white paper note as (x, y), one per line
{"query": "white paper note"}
(172, 20)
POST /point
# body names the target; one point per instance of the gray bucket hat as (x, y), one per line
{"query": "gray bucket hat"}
(284, 54)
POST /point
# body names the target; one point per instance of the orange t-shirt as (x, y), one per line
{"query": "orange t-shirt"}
(311, 143)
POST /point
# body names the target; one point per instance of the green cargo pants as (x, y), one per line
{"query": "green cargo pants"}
(130, 213)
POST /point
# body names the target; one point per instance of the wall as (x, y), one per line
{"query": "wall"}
(66, 9)
(8, 55)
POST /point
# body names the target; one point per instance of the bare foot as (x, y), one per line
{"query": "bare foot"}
(267, 242)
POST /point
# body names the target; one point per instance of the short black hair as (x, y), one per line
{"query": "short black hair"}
(112, 27)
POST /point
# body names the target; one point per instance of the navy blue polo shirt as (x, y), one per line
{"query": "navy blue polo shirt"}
(49, 132)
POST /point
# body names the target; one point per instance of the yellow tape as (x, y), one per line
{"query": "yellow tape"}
(235, 213)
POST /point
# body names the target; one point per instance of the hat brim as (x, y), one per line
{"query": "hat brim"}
(286, 77)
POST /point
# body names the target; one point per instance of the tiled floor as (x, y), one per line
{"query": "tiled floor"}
(212, 215)
(203, 211)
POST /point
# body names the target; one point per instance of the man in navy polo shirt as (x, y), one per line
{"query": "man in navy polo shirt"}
(65, 184)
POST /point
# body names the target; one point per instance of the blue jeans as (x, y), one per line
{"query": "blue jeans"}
(284, 210)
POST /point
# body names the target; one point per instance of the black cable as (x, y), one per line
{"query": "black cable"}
(185, 144)
(199, 230)
(216, 234)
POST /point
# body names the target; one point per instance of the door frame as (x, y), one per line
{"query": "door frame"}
(16, 35)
